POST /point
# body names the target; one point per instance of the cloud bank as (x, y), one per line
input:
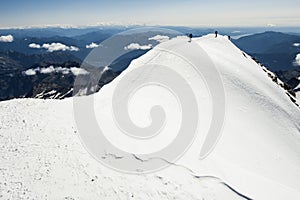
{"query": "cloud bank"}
(78, 71)
(34, 46)
(135, 46)
(6, 38)
(30, 72)
(51, 69)
(160, 38)
(54, 47)
(92, 45)
(297, 60)
(296, 44)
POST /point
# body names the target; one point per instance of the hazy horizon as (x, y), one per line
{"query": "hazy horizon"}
(190, 13)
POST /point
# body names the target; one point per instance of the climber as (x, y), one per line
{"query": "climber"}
(190, 36)
(216, 32)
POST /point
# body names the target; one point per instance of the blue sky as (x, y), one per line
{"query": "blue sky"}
(154, 12)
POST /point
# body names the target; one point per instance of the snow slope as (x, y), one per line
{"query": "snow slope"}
(298, 93)
(257, 156)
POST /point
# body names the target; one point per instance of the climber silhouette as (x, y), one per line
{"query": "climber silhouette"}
(216, 32)
(190, 36)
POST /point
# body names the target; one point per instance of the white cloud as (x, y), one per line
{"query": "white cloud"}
(296, 44)
(72, 48)
(47, 70)
(134, 46)
(30, 72)
(297, 60)
(236, 32)
(34, 46)
(62, 70)
(78, 71)
(59, 47)
(271, 25)
(160, 38)
(51, 69)
(54, 47)
(6, 38)
(92, 45)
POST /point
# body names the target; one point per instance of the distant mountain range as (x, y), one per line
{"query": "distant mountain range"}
(277, 51)
(54, 81)
(12, 60)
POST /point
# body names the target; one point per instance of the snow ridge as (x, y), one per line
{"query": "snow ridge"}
(257, 156)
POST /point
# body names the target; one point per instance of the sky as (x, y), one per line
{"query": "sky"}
(197, 13)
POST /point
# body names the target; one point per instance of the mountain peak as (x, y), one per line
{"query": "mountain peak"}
(173, 87)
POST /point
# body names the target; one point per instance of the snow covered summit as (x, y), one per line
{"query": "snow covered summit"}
(256, 157)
